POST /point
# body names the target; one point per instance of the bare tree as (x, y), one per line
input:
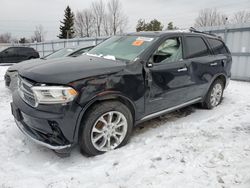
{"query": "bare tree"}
(241, 17)
(39, 34)
(98, 12)
(117, 19)
(210, 17)
(106, 25)
(5, 38)
(84, 21)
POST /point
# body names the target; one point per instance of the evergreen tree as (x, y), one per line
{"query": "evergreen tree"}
(153, 25)
(67, 27)
(23, 40)
(141, 25)
(170, 26)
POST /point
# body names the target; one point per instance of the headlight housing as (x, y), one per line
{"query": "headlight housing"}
(53, 94)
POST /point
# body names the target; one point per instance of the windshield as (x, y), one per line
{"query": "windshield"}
(122, 47)
(80, 51)
(60, 53)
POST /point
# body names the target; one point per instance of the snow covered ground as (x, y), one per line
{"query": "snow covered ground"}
(190, 148)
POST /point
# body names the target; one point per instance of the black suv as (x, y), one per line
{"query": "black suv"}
(17, 54)
(96, 99)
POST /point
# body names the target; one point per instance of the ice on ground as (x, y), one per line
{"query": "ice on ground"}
(188, 148)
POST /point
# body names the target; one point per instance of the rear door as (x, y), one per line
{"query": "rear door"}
(201, 62)
(222, 58)
(168, 77)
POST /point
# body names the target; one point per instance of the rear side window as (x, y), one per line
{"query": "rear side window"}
(196, 47)
(26, 50)
(217, 46)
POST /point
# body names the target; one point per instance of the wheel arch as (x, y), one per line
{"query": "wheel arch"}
(221, 76)
(102, 98)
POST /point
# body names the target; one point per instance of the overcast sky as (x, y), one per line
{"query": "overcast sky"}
(20, 17)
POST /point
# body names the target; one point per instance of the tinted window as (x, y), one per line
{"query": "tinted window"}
(11, 50)
(217, 46)
(169, 51)
(26, 50)
(196, 47)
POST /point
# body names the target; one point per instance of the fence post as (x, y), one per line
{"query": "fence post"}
(52, 45)
(43, 49)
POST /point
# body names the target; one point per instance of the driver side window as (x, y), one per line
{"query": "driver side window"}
(169, 51)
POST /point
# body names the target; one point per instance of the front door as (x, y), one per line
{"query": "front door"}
(168, 77)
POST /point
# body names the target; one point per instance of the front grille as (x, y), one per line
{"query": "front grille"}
(25, 91)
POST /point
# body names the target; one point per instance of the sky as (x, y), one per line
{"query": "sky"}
(20, 17)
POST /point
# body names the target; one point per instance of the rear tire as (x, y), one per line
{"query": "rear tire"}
(105, 127)
(214, 95)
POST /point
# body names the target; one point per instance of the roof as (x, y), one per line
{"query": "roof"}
(167, 32)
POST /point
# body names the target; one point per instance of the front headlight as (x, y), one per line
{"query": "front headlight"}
(53, 94)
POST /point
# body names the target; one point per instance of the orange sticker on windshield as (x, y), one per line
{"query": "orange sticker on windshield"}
(137, 43)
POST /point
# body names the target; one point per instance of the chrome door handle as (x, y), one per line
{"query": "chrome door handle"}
(182, 69)
(213, 64)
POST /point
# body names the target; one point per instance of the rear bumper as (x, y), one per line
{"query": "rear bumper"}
(54, 130)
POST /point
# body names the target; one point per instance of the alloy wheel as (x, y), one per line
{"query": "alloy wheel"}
(109, 131)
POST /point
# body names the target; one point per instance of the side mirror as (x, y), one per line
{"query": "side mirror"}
(6, 52)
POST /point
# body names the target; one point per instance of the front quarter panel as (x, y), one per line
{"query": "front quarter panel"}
(127, 82)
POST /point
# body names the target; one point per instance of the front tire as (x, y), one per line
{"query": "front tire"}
(107, 126)
(214, 95)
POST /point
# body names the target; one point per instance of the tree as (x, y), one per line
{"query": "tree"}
(141, 25)
(106, 25)
(241, 17)
(210, 17)
(67, 27)
(170, 26)
(84, 22)
(153, 25)
(5, 38)
(98, 13)
(117, 19)
(23, 40)
(39, 34)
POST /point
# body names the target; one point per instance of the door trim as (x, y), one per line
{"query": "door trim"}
(150, 116)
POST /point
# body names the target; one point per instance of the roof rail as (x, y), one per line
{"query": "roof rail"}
(191, 29)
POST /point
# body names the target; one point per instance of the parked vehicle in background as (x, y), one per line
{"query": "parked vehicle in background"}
(95, 100)
(11, 55)
(11, 73)
(70, 52)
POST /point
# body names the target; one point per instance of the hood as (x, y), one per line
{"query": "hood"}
(69, 69)
(23, 64)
